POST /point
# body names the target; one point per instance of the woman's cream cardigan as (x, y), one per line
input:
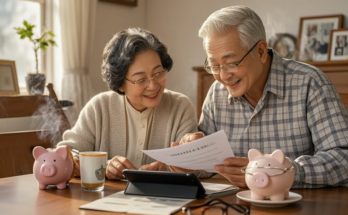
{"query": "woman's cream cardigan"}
(102, 126)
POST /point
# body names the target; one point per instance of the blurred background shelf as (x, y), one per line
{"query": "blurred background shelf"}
(331, 66)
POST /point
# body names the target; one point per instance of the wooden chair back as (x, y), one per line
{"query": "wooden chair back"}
(16, 147)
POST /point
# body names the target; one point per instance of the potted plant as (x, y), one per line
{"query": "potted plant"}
(36, 81)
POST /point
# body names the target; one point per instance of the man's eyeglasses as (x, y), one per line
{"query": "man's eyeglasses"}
(144, 82)
(217, 206)
(227, 67)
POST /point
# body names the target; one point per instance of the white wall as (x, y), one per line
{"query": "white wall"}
(176, 23)
(110, 19)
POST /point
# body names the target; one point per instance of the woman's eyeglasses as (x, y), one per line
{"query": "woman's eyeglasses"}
(144, 82)
(217, 206)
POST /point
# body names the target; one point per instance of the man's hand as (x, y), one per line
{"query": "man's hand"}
(116, 165)
(155, 166)
(186, 139)
(190, 137)
(231, 170)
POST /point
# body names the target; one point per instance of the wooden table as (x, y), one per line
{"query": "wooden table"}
(20, 195)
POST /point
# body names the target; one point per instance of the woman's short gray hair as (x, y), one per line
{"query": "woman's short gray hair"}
(249, 25)
(120, 51)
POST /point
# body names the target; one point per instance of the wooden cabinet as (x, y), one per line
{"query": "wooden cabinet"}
(16, 147)
(337, 71)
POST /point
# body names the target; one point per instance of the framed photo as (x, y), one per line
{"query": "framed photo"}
(131, 3)
(338, 48)
(8, 78)
(314, 36)
(284, 44)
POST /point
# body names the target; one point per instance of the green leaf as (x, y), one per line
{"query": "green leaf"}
(51, 33)
(43, 45)
(42, 38)
(52, 42)
(25, 23)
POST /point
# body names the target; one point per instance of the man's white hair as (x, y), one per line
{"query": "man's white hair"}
(248, 24)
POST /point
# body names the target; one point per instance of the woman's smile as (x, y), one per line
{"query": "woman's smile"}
(151, 96)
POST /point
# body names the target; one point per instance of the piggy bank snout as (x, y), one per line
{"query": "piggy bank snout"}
(260, 179)
(48, 170)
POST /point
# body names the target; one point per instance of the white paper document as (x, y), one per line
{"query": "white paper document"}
(201, 154)
(119, 202)
(214, 189)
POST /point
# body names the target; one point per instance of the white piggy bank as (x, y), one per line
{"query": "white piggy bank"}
(269, 175)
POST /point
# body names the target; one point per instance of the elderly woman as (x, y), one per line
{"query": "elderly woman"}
(138, 113)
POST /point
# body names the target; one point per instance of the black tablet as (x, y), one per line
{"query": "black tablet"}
(163, 184)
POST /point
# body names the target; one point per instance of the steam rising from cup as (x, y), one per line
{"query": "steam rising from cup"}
(53, 120)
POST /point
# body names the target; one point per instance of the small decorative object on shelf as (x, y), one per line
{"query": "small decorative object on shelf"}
(36, 81)
(8, 78)
(284, 44)
(338, 48)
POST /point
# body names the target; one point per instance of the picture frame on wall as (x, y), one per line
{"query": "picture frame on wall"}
(338, 48)
(314, 36)
(8, 78)
(131, 3)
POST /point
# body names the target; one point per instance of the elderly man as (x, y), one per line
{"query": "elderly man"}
(265, 102)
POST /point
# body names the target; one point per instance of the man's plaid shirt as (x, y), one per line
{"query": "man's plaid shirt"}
(299, 112)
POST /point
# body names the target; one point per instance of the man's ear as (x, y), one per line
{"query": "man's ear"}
(262, 50)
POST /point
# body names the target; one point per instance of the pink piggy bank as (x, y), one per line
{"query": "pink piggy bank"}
(269, 175)
(52, 166)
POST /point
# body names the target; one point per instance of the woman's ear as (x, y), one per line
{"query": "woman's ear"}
(121, 89)
(262, 50)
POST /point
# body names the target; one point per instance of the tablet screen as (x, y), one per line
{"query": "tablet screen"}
(157, 178)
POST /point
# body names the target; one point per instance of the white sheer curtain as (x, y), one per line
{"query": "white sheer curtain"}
(77, 27)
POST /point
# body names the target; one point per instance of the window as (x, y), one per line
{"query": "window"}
(37, 12)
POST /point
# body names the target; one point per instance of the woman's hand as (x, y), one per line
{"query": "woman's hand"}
(116, 165)
(76, 167)
(155, 166)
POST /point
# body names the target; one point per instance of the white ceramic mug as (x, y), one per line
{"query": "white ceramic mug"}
(93, 170)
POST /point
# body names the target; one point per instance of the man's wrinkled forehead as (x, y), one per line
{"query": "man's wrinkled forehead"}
(221, 47)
